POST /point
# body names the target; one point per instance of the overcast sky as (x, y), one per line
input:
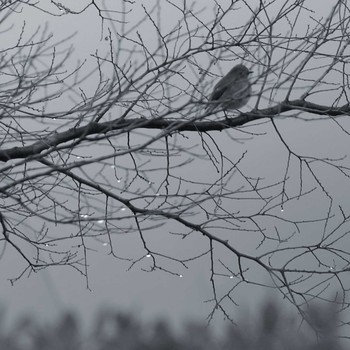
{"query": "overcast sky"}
(49, 292)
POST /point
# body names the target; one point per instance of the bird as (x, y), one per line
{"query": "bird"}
(232, 91)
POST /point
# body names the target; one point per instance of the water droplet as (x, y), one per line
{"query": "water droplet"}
(148, 255)
(101, 221)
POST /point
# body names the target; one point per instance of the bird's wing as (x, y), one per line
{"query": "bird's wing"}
(220, 89)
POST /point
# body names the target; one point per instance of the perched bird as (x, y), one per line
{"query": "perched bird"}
(232, 91)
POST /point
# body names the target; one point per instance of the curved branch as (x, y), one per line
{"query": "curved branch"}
(78, 134)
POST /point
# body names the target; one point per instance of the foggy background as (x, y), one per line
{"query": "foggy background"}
(148, 295)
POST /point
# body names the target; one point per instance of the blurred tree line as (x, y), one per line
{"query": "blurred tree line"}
(272, 328)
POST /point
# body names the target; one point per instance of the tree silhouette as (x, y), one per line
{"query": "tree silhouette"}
(115, 330)
(125, 147)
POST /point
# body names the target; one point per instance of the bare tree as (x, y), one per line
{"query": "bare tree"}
(270, 328)
(126, 148)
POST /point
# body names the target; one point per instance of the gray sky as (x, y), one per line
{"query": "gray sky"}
(49, 292)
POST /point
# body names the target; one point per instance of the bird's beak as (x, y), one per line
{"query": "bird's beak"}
(250, 72)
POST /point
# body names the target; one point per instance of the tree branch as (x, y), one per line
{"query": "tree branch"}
(78, 134)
